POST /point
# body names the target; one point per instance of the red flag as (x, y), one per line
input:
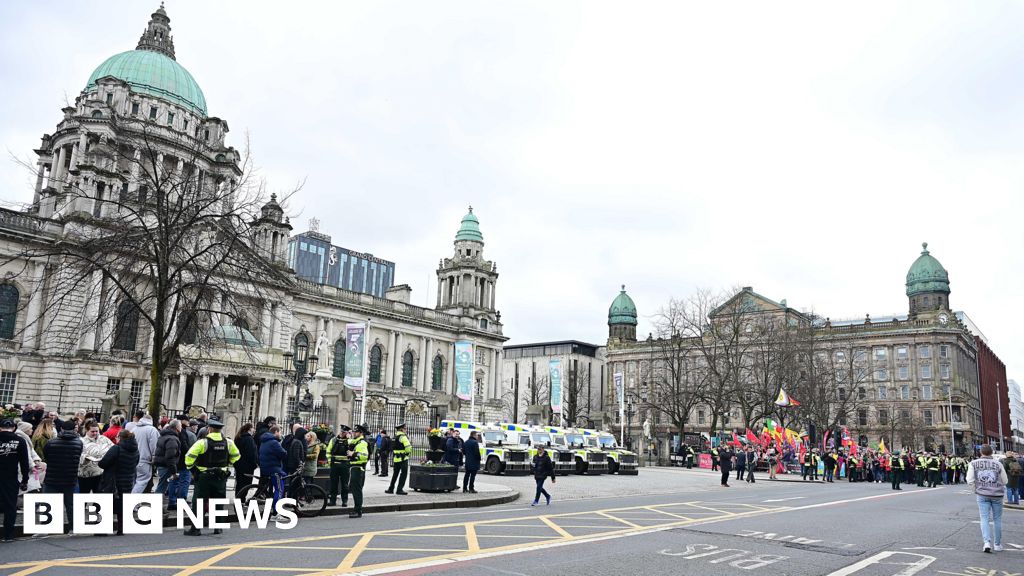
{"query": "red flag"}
(752, 437)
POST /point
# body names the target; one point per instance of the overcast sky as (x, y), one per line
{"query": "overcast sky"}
(805, 150)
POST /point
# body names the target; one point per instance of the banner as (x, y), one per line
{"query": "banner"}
(464, 369)
(355, 355)
(620, 393)
(555, 368)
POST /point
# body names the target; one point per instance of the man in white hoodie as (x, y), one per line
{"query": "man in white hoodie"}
(988, 478)
(146, 435)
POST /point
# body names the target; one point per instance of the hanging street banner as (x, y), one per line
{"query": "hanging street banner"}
(355, 355)
(620, 393)
(556, 385)
(464, 369)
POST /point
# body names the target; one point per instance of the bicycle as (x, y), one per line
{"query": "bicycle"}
(310, 499)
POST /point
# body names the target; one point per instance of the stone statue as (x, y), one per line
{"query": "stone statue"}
(647, 428)
(322, 346)
(306, 404)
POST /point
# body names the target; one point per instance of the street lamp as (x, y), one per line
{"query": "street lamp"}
(295, 366)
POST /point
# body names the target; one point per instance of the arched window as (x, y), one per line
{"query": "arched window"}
(126, 329)
(242, 323)
(437, 374)
(97, 114)
(8, 310)
(407, 368)
(187, 328)
(376, 359)
(338, 369)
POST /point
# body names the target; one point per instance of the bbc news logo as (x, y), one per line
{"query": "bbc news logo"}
(143, 514)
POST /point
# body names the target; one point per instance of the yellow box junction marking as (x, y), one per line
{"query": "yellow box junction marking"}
(551, 528)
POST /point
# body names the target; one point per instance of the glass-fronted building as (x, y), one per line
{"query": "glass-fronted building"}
(314, 258)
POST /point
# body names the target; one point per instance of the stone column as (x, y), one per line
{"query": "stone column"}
(424, 364)
(389, 371)
(440, 282)
(450, 356)
(179, 395)
(399, 352)
(266, 322)
(87, 341)
(201, 390)
(264, 400)
(33, 316)
(60, 166)
(218, 389)
(52, 178)
(275, 327)
(40, 172)
(106, 339)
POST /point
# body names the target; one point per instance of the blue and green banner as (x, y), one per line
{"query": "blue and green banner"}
(464, 369)
(355, 355)
(555, 368)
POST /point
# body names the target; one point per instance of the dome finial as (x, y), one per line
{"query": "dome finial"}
(924, 245)
(470, 208)
(623, 287)
(157, 37)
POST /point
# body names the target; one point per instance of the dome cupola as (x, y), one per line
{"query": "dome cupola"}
(622, 317)
(470, 229)
(927, 284)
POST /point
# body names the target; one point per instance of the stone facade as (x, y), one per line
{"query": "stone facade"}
(921, 369)
(67, 360)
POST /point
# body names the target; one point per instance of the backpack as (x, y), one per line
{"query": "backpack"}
(1013, 468)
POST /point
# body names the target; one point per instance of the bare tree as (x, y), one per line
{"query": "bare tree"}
(575, 404)
(674, 386)
(162, 230)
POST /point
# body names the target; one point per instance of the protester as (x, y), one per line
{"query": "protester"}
(94, 446)
(312, 455)
(382, 454)
(14, 459)
(741, 464)
(120, 465)
(146, 436)
(543, 468)
(63, 455)
(725, 464)
(45, 432)
(471, 452)
(752, 458)
(1014, 472)
(115, 426)
(177, 488)
(167, 455)
(249, 460)
(988, 478)
(271, 457)
(35, 465)
(296, 448)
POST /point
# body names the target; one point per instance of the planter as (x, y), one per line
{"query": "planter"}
(433, 478)
(436, 442)
(435, 456)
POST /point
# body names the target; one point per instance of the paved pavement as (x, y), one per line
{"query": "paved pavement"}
(839, 529)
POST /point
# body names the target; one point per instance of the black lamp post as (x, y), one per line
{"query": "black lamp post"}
(295, 366)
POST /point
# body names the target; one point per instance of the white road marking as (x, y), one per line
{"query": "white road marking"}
(909, 569)
(929, 548)
(784, 499)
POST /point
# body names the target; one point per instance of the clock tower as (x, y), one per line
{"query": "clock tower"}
(928, 288)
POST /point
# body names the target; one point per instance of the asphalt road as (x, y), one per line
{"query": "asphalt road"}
(699, 528)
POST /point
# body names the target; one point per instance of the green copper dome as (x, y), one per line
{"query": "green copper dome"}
(927, 275)
(470, 229)
(154, 74)
(622, 311)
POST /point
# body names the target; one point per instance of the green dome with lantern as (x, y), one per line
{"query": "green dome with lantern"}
(622, 310)
(470, 229)
(927, 275)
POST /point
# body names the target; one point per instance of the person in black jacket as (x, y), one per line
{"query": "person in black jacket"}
(262, 427)
(471, 451)
(725, 464)
(542, 469)
(63, 455)
(296, 448)
(249, 460)
(13, 457)
(382, 454)
(119, 465)
(167, 455)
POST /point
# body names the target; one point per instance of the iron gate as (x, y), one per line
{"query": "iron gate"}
(417, 425)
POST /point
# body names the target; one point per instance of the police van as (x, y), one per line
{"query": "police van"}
(534, 436)
(586, 459)
(620, 460)
(497, 454)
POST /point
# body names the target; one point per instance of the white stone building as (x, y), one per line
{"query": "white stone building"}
(72, 362)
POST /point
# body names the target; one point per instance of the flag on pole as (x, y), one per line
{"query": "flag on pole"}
(785, 400)
(555, 368)
(620, 393)
(881, 447)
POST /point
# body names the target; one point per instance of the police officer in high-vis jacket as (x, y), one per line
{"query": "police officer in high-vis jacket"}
(896, 468)
(402, 449)
(358, 455)
(337, 459)
(210, 460)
